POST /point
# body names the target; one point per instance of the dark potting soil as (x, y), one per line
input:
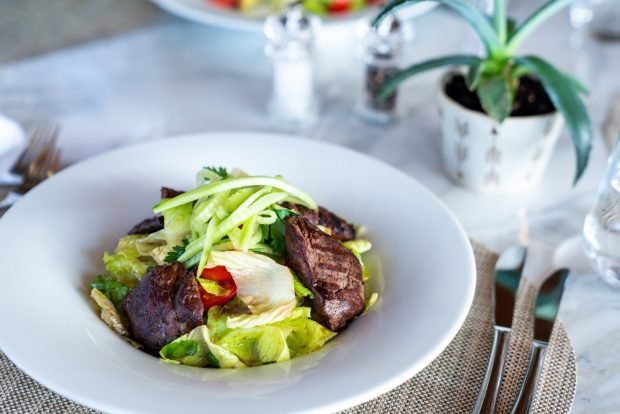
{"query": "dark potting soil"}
(531, 97)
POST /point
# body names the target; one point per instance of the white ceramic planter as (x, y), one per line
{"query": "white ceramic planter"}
(493, 158)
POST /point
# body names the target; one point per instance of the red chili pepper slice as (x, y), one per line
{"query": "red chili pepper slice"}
(228, 4)
(339, 6)
(222, 277)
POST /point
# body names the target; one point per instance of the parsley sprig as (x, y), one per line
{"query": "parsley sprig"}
(221, 171)
(176, 252)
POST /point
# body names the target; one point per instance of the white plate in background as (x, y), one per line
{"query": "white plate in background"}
(201, 11)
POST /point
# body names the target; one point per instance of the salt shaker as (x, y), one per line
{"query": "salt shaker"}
(380, 53)
(601, 230)
(290, 45)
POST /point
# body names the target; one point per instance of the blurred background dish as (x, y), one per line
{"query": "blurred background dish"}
(249, 15)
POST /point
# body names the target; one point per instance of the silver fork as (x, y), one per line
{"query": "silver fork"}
(43, 138)
(43, 162)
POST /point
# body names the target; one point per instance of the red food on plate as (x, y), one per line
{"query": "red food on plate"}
(339, 6)
(228, 4)
(224, 279)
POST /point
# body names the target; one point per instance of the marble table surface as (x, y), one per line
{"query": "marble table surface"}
(177, 77)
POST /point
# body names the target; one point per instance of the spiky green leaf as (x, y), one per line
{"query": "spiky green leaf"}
(473, 75)
(499, 21)
(496, 96)
(485, 68)
(391, 85)
(566, 99)
(467, 10)
(533, 22)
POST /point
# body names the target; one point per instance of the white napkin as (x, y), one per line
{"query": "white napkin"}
(12, 142)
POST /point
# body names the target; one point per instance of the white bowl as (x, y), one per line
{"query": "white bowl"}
(53, 239)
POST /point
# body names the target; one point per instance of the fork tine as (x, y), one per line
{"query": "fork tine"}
(55, 163)
(33, 142)
(51, 165)
(41, 135)
(45, 165)
(46, 148)
(45, 162)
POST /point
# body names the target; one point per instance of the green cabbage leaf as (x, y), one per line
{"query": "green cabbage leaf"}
(127, 265)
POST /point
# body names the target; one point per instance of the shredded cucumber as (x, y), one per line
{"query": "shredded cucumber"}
(209, 238)
(247, 233)
(266, 217)
(192, 249)
(234, 183)
(230, 213)
(204, 210)
(238, 216)
(237, 197)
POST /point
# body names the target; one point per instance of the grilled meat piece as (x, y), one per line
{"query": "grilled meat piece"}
(327, 268)
(309, 214)
(166, 192)
(153, 224)
(340, 228)
(163, 306)
(148, 226)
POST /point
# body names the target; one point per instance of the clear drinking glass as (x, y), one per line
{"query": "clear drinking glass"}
(601, 230)
(600, 17)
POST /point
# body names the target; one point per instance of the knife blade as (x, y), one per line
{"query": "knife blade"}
(546, 309)
(508, 272)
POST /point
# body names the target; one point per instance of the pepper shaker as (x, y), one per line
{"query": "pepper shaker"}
(290, 45)
(380, 53)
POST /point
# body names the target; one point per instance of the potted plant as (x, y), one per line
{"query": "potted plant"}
(502, 116)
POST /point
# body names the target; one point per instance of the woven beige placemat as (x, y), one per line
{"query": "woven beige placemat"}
(448, 385)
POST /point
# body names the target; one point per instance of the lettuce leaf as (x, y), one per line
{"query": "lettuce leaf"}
(114, 290)
(275, 342)
(216, 327)
(127, 265)
(184, 351)
(258, 345)
(359, 247)
(109, 314)
(301, 291)
(306, 335)
(370, 302)
(197, 350)
(263, 318)
(262, 284)
(272, 346)
(215, 344)
(160, 244)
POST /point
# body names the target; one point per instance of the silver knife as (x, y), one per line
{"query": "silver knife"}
(508, 272)
(546, 309)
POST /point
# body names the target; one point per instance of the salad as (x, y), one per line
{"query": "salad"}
(262, 8)
(239, 271)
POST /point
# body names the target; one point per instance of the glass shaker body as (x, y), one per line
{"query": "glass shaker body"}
(601, 231)
(290, 46)
(381, 55)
